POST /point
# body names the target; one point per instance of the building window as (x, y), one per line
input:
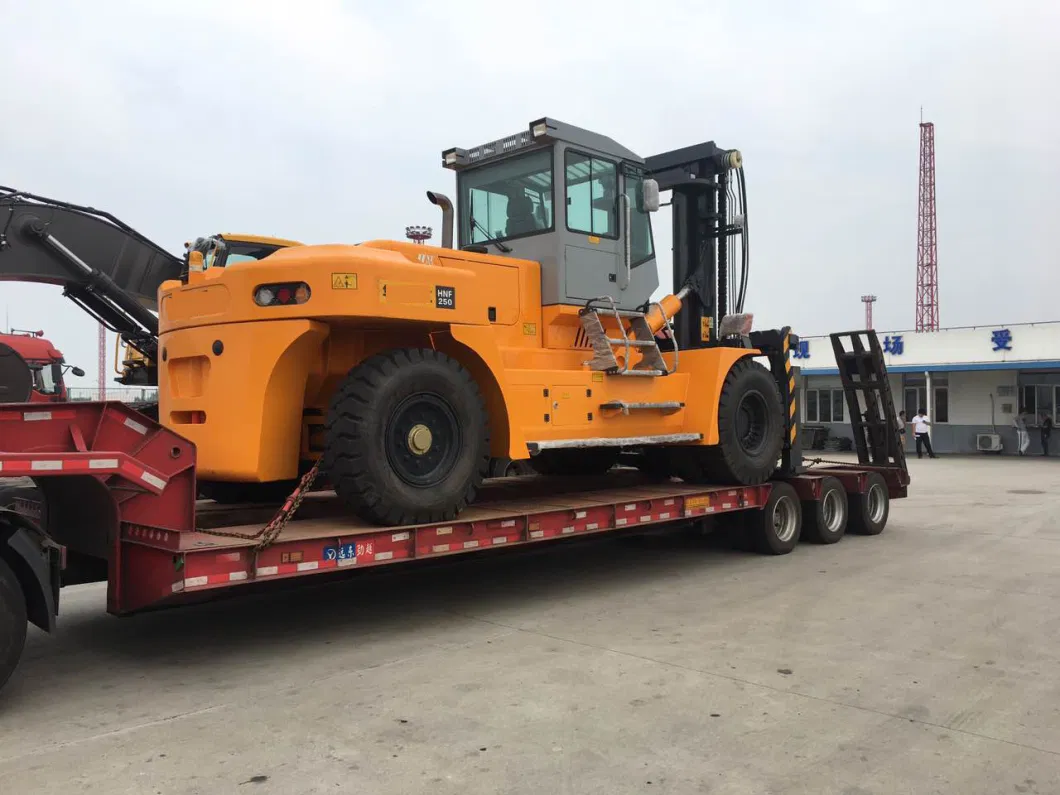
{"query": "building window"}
(592, 191)
(1038, 400)
(824, 405)
(915, 397)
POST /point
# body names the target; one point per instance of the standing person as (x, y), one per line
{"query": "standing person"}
(1046, 428)
(901, 429)
(921, 425)
(1023, 439)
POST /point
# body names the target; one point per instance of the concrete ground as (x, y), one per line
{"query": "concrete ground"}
(923, 660)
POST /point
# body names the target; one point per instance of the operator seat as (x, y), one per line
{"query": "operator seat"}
(521, 218)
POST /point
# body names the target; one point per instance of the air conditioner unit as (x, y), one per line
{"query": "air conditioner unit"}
(988, 442)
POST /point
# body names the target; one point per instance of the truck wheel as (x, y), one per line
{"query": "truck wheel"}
(13, 620)
(574, 463)
(775, 529)
(407, 438)
(825, 519)
(869, 511)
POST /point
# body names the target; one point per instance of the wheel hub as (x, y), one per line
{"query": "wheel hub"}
(420, 438)
(423, 439)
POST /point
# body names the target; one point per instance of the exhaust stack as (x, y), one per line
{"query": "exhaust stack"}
(441, 200)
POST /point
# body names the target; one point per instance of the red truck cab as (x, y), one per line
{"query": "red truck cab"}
(32, 369)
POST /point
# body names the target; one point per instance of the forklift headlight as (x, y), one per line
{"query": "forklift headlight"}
(285, 294)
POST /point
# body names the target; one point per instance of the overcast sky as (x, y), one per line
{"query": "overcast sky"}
(324, 121)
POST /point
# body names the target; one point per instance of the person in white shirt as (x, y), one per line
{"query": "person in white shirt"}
(921, 425)
(1022, 437)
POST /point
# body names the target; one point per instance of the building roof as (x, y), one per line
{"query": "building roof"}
(1014, 346)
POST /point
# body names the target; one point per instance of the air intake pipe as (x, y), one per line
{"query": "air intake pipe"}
(441, 200)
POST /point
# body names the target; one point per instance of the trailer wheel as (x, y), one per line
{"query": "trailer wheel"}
(825, 519)
(407, 438)
(13, 621)
(775, 529)
(750, 428)
(576, 462)
(869, 511)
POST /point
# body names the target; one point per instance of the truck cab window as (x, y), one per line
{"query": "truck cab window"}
(510, 199)
(592, 190)
(44, 378)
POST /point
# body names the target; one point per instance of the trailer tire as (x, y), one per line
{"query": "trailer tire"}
(825, 519)
(869, 511)
(13, 621)
(407, 438)
(584, 462)
(775, 529)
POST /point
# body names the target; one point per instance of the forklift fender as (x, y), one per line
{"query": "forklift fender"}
(36, 561)
(477, 350)
(707, 370)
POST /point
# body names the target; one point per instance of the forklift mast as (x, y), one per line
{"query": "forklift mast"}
(705, 222)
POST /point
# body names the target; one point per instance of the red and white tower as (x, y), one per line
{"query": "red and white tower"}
(868, 300)
(927, 255)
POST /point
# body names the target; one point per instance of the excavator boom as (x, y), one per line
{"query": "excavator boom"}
(105, 266)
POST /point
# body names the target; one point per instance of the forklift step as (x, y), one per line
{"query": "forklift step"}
(621, 441)
(633, 343)
(638, 372)
(626, 407)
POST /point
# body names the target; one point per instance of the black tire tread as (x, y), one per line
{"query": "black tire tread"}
(13, 621)
(813, 529)
(351, 412)
(719, 463)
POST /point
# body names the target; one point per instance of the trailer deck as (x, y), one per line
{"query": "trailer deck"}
(117, 493)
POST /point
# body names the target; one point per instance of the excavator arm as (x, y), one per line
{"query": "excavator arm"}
(103, 265)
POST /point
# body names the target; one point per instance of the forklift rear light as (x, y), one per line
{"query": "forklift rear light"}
(286, 294)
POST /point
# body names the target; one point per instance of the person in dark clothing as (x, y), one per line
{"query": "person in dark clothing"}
(1046, 429)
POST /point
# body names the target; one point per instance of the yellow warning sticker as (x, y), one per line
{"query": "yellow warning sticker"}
(704, 329)
(530, 329)
(692, 503)
(598, 376)
(344, 281)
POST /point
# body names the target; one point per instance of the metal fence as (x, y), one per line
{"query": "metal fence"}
(126, 394)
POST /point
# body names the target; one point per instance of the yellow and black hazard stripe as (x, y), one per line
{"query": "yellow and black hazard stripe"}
(792, 421)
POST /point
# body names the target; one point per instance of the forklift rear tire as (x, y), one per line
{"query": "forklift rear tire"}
(13, 621)
(869, 511)
(775, 529)
(576, 462)
(407, 438)
(825, 519)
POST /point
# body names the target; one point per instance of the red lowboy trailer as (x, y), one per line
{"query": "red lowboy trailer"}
(115, 500)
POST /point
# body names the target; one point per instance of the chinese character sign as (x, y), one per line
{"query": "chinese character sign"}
(894, 344)
(802, 350)
(1001, 339)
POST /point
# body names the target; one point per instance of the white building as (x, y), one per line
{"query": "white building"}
(971, 380)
